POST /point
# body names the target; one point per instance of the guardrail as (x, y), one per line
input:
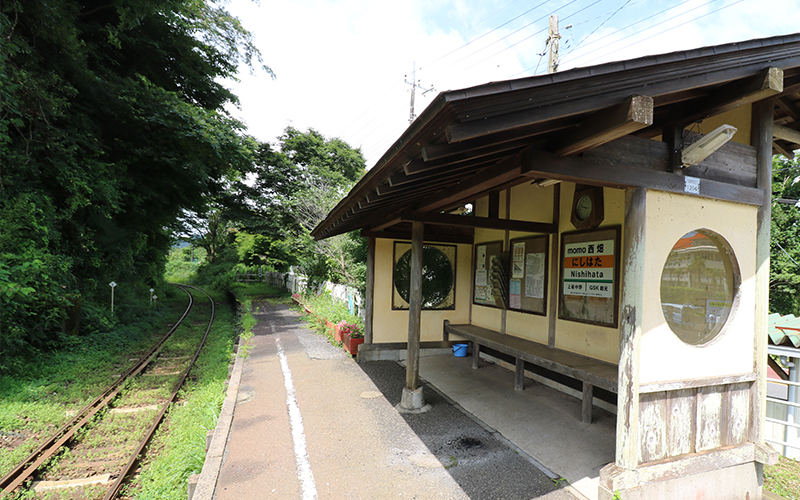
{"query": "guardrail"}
(787, 442)
(297, 283)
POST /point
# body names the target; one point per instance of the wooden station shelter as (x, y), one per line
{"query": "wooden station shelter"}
(609, 226)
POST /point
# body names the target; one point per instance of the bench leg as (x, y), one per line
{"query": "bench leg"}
(476, 353)
(586, 407)
(519, 375)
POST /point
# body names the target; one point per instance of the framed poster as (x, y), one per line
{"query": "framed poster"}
(527, 286)
(589, 287)
(490, 287)
(438, 276)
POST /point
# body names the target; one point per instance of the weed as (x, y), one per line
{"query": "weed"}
(453, 463)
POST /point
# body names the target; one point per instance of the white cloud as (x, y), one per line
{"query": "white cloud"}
(341, 64)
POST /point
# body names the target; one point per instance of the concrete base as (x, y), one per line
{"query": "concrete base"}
(412, 401)
(396, 351)
(739, 481)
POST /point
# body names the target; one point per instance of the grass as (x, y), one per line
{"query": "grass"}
(783, 478)
(36, 397)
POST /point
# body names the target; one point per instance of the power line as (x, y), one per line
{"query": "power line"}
(485, 34)
(663, 31)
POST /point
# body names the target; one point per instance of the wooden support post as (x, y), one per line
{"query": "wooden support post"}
(476, 354)
(586, 405)
(370, 291)
(414, 307)
(630, 328)
(555, 279)
(761, 138)
(519, 375)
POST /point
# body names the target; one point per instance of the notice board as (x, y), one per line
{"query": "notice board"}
(490, 287)
(527, 286)
(589, 287)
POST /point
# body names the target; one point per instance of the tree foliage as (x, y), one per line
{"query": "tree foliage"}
(111, 124)
(299, 182)
(784, 296)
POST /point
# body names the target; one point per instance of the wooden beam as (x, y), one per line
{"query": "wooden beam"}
(788, 107)
(766, 83)
(634, 113)
(431, 236)
(783, 149)
(787, 134)
(632, 162)
(480, 222)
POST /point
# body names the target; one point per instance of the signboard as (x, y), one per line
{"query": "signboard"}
(489, 277)
(589, 288)
(528, 274)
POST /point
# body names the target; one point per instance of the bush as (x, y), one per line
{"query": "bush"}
(325, 307)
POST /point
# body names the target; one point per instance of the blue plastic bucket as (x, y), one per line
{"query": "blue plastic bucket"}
(460, 350)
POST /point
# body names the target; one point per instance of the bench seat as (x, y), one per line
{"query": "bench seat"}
(591, 372)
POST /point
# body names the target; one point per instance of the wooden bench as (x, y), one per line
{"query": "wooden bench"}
(591, 372)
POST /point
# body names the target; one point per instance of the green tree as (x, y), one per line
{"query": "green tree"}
(112, 123)
(301, 180)
(784, 296)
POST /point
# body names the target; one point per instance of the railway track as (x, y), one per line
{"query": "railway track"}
(161, 371)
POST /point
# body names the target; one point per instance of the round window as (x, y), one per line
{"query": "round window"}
(699, 285)
(437, 277)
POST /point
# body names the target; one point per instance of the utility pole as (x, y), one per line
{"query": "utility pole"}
(414, 84)
(553, 36)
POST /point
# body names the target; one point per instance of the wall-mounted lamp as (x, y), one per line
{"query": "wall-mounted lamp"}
(703, 148)
(546, 182)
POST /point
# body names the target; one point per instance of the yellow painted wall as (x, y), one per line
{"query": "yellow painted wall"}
(664, 357)
(590, 340)
(392, 326)
(532, 203)
(739, 118)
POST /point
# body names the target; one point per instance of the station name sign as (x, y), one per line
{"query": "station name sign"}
(589, 268)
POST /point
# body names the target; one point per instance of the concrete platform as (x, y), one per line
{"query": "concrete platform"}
(541, 421)
(480, 440)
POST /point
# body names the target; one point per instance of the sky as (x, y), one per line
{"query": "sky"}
(344, 67)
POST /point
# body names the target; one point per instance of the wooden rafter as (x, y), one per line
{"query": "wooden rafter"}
(789, 135)
(766, 83)
(634, 113)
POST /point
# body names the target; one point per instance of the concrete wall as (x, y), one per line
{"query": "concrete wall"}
(664, 357)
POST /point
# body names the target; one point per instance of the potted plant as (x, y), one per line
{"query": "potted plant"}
(352, 336)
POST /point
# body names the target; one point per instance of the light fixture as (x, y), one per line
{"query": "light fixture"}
(703, 148)
(546, 182)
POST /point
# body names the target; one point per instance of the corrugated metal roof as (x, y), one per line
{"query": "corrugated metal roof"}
(784, 330)
(473, 134)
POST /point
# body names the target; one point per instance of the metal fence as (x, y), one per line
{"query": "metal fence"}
(297, 283)
(785, 414)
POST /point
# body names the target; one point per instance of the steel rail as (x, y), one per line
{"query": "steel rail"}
(25, 469)
(129, 467)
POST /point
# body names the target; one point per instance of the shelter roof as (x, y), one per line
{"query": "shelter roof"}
(586, 125)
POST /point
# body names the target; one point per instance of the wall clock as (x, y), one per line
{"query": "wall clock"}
(587, 207)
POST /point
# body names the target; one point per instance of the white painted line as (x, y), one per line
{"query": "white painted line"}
(304, 474)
